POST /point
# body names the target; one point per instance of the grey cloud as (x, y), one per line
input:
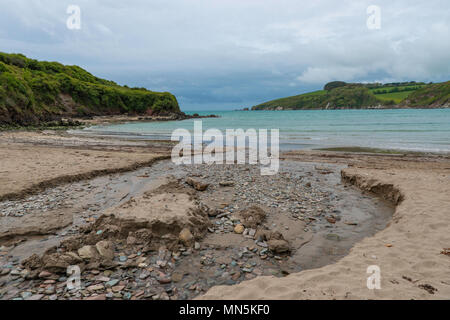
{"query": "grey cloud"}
(209, 52)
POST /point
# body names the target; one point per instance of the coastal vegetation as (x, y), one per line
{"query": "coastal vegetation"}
(342, 95)
(33, 92)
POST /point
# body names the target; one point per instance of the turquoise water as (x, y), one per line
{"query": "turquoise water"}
(402, 129)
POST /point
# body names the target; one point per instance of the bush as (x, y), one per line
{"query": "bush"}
(34, 88)
(334, 84)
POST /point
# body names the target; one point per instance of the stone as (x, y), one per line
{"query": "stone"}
(252, 216)
(331, 220)
(236, 276)
(196, 184)
(87, 252)
(105, 249)
(112, 283)
(177, 276)
(97, 297)
(35, 297)
(333, 236)
(186, 237)
(239, 228)
(50, 290)
(117, 288)
(45, 274)
(278, 246)
(226, 183)
(165, 280)
(4, 271)
(26, 294)
(96, 287)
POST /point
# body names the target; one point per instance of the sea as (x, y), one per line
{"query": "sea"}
(421, 130)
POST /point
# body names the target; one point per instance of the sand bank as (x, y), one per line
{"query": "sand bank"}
(409, 252)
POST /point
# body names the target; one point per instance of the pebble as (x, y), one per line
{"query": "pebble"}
(239, 228)
(117, 288)
(112, 283)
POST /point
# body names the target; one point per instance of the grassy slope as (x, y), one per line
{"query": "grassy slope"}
(414, 95)
(396, 94)
(34, 91)
(344, 97)
(435, 95)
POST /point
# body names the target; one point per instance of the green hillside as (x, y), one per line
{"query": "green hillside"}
(352, 97)
(33, 92)
(341, 95)
(435, 95)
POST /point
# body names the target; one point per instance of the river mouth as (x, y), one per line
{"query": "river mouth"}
(317, 215)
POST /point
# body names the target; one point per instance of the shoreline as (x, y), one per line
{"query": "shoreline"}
(66, 123)
(446, 106)
(381, 174)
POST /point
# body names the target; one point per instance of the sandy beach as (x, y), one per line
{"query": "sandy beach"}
(122, 212)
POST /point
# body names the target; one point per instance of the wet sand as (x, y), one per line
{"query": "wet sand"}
(321, 217)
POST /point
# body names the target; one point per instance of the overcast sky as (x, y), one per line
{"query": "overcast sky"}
(228, 54)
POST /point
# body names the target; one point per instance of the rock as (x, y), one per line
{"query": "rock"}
(236, 276)
(105, 249)
(97, 297)
(213, 213)
(239, 228)
(331, 220)
(117, 288)
(197, 246)
(226, 183)
(58, 262)
(177, 276)
(45, 274)
(333, 236)
(131, 240)
(87, 252)
(278, 246)
(49, 290)
(96, 287)
(74, 256)
(35, 297)
(123, 258)
(165, 280)
(32, 262)
(26, 294)
(112, 283)
(252, 216)
(4, 271)
(186, 237)
(196, 184)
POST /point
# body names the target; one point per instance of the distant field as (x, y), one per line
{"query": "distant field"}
(396, 96)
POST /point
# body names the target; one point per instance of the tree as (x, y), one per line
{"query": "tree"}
(334, 84)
